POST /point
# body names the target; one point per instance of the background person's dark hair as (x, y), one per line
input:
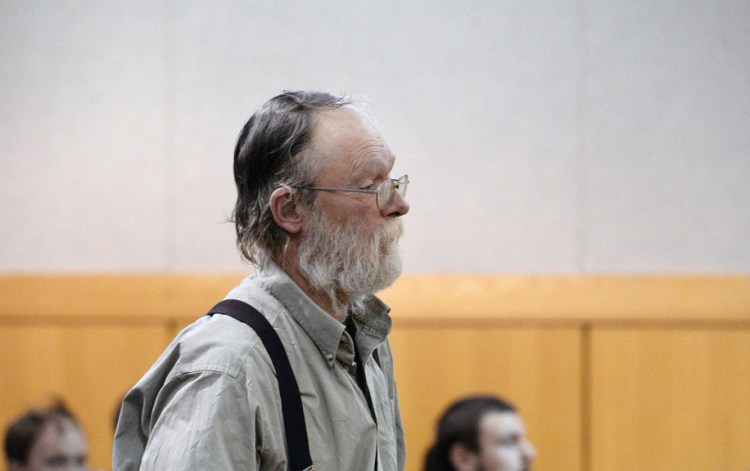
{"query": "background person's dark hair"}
(460, 424)
(269, 154)
(23, 433)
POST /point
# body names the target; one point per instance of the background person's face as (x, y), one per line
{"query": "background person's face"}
(503, 445)
(60, 447)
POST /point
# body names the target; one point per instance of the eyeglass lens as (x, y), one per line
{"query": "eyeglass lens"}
(388, 188)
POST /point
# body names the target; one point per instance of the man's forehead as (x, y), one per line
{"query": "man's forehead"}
(502, 423)
(347, 133)
(375, 165)
(63, 433)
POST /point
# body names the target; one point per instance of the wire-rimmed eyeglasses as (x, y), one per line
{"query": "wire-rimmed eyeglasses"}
(384, 193)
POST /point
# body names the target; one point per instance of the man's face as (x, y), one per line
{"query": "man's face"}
(503, 445)
(60, 446)
(348, 241)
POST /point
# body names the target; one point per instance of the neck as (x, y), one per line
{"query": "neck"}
(337, 308)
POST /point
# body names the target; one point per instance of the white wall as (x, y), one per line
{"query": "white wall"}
(544, 136)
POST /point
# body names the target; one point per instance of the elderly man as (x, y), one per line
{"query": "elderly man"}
(45, 440)
(318, 214)
(480, 433)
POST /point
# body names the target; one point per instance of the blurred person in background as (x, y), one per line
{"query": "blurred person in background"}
(49, 439)
(480, 433)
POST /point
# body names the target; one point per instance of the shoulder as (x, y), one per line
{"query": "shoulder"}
(223, 345)
(218, 344)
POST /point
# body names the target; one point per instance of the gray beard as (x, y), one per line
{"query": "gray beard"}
(341, 262)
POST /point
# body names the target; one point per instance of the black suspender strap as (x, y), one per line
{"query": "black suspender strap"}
(291, 402)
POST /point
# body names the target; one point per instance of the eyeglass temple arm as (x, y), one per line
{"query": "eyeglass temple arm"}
(396, 182)
(345, 190)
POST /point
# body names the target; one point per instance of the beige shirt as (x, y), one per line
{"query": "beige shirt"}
(211, 401)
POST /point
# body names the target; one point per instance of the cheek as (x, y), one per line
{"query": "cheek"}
(502, 459)
(355, 216)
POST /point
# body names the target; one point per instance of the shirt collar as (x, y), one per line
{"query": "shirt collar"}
(373, 323)
(373, 326)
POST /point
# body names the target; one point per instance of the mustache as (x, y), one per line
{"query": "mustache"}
(392, 231)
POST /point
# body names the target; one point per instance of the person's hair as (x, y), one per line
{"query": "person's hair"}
(23, 433)
(460, 424)
(270, 153)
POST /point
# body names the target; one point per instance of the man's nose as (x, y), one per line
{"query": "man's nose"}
(529, 451)
(398, 207)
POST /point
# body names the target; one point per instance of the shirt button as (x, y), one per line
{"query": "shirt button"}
(329, 356)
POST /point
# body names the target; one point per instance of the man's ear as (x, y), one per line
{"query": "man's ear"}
(462, 458)
(285, 210)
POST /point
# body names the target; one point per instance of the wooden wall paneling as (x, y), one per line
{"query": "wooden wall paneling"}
(415, 296)
(90, 367)
(537, 368)
(649, 298)
(561, 347)
(670, 398)
(112, 296)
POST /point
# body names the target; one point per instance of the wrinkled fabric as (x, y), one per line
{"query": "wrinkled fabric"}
(211, 400)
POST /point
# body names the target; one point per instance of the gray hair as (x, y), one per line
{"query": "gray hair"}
(270, 153)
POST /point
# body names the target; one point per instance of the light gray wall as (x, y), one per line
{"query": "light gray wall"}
(541, 136)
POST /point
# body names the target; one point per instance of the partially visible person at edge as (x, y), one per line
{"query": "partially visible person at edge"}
(49, 439)
(480, 433)
(318, 213)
